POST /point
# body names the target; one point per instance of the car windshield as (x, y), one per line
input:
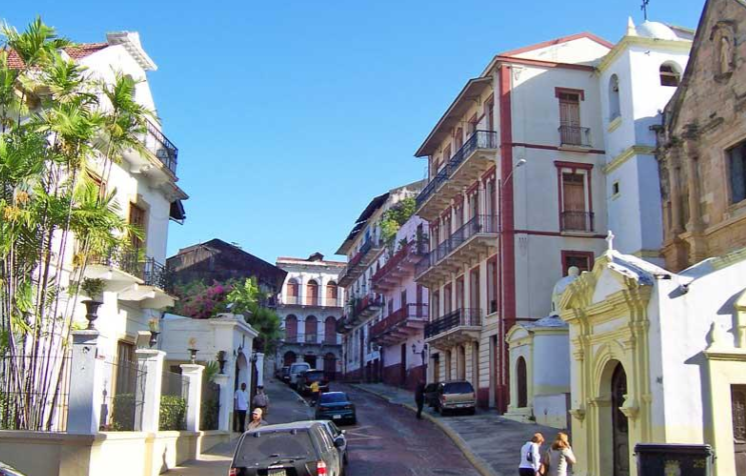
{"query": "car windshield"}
(314, 375)
(335, 397)
(274, 446)
(458, 387)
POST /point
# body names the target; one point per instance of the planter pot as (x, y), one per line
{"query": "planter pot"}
(91, 312)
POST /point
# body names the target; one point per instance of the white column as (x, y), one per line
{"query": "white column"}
(226, 402)
(148, 393)
(85, 397)
(301, 328)
(259, 369)
(193, 373)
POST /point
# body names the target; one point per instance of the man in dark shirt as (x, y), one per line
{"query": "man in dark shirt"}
(419, 398)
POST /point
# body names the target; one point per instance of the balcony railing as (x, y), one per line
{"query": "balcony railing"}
(291, 338)
(126, 261)
(576, 136)
(413, 249)
(368, 301)
(311, 338)
(465, 317)
(577, 221)
(333, 302)
(410, 311)
(154, 274)
(477, 225)
(478, 140)
(157, 143)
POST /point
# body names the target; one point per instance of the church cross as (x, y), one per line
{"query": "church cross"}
(644, 8)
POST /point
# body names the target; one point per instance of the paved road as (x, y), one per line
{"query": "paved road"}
(389, 440)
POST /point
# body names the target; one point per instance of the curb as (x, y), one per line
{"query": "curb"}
(475, 460)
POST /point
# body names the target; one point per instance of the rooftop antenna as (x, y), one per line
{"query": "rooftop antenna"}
(644, 8)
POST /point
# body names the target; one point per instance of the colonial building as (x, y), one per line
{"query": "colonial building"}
(363, 247)
(516, 195)
(216, 260)
(310, 306)
(702, 148)
(399, 331)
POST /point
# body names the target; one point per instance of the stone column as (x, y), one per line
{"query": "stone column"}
(87, 380)
(148, 391)
(226, 402)
(193, 373)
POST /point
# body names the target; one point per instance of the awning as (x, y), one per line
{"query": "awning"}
(177, 213)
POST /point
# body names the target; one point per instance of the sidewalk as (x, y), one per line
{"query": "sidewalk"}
(492, 443)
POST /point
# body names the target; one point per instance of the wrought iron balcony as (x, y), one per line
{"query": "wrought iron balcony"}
(154, 273)
(357, 264)
(480, 140)
(165, 150)
(465, 317)
(398, 320)
(399, 265)
(577, 221)
(126, 261)
(480, 225)
(575, 136)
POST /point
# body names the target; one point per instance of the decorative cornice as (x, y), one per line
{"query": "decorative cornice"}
(628, 153)
(624, 43)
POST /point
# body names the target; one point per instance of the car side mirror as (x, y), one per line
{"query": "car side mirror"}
(339, 442)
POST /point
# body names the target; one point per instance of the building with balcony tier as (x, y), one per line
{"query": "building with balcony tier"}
(527, 167)
(364, 305)
(310, 306)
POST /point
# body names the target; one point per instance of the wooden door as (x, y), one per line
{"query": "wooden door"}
(474, 289)
(447, 291)
(620, 426)
(460, 293)
(436, 368)
(570, 119)
(137, 218)
(573, 201)
(738, 407)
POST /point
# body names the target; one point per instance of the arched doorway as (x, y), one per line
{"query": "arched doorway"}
(312, 296)
(289, 358)
(330, 366)
(293, 292)
(241, 375)
(332, 294)
(312, 329)
(291, 328)
(310, 359)
(619, 423)
(330, 330)
(522, 384)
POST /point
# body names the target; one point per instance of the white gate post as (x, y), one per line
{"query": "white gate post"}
(86, 381)
(148, 392)
(226, 402)
(193, 372)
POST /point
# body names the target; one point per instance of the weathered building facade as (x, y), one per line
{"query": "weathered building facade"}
(702, 145)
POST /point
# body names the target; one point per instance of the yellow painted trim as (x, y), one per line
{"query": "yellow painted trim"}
(729, 259)
(628, 153)
(614, 125)
(647, 254)
(682, 45)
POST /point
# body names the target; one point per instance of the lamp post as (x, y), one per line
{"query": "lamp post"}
(502, 369)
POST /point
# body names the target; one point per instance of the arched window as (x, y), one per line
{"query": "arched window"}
(289, 358)
(312, 297)
(522, 383)
(312, 329)
(332, 294)
(330, 330)
(614, 110)
(291, 328)
(293, 292)
(670, 75)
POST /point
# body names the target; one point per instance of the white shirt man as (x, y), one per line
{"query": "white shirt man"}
(241, 404)
(530, 456)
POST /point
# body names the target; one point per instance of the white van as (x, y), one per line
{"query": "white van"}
(295, 371)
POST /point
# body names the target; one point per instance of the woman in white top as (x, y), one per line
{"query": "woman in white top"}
(558, 457)
(531, 456)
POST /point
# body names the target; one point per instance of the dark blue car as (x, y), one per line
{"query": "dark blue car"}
(336, 406)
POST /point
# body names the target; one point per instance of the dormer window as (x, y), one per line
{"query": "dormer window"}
(669, 75)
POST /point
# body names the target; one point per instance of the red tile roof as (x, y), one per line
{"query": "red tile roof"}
(76, 52)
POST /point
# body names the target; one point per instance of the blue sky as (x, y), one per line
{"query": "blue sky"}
(291, 115)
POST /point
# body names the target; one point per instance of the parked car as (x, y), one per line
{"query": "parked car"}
(431, 394)
(295, 371)
(304, 448)
(454, 396)
(285, 374)
(308, 377)
(336, 406)
(6, 470)
(338, 434)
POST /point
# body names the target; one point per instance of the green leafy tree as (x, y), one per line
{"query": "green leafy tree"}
(53, 130)
(393, 219)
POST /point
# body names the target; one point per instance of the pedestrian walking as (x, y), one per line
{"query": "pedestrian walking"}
(241, 406)
(558, 457)
(256, 419)
(419, 398)
(314, 393)
(531, 456)
(261, 400)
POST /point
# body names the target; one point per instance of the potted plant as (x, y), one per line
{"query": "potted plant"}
(94, 289)
(193, 350)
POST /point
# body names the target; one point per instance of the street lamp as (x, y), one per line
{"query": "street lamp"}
(501, 322)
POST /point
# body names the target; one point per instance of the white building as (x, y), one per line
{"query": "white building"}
(363, 248)
(311, 304)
